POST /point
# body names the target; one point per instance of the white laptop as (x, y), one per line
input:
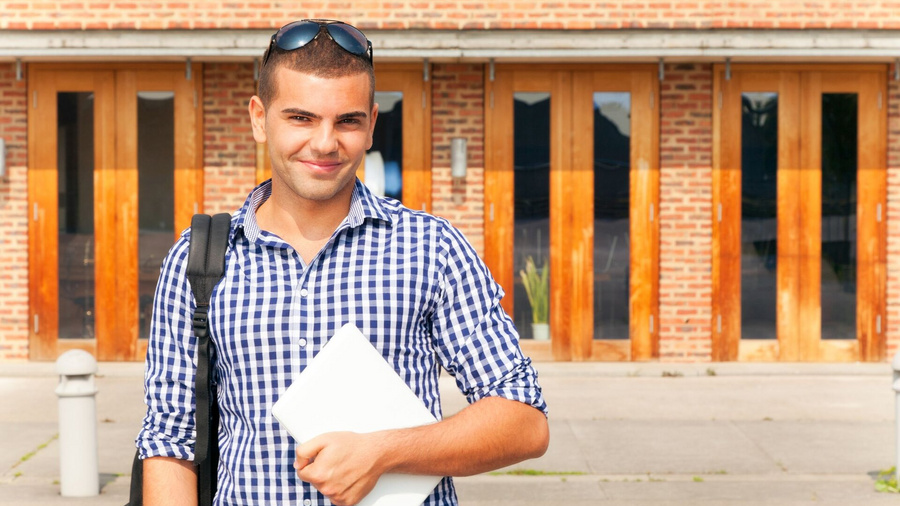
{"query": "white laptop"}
(348, 386)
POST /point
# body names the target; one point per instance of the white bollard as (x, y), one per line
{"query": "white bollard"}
(78, 471)
(896, 365)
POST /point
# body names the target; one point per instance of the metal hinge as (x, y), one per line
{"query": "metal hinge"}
(878, 213)
(37, 324)
(879, 100)
(720, 211)
(492, 212)
(652, 212)
(719, 324)
(651, 324)
(878, 324)
(651, 100)
(34, 99)
(35, 211)
(720, 100)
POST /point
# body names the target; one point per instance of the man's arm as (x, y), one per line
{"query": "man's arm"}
(170, 482)
(491, 433)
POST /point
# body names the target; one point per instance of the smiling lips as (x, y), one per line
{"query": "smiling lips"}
(325, 166)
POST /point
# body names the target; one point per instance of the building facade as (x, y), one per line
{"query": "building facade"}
(699, 180)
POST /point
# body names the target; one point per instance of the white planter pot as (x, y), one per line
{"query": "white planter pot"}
(540, 331)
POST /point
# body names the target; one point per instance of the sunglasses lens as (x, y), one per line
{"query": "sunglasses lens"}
(296, 35)
(348, 38)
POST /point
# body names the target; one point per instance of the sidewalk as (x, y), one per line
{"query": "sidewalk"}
(621, 434)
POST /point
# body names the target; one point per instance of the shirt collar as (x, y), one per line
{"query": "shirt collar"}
(363, 204)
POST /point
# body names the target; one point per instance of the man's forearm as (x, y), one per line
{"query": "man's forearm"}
(169, 482)
(487, 435)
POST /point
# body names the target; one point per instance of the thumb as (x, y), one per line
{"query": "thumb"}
(306, 452)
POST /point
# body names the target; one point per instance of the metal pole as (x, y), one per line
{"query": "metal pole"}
(78, 469)
(896, 366)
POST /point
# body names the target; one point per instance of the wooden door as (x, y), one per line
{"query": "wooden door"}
(775, 239)
(592, 213)
(402, 137)
(114, 176)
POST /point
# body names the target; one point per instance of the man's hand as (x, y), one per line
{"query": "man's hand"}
(342, 465)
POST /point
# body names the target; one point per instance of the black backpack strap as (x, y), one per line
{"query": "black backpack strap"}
(206, 266)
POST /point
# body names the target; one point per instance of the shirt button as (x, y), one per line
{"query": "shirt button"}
(307, 502)
(304, 292)
(302, 343)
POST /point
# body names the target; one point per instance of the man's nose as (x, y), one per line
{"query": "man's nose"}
(325, 139)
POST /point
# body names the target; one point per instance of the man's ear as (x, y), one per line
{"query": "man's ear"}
(372, 126)
(258, 119)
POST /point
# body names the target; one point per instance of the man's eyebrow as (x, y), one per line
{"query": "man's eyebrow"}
(293, 111)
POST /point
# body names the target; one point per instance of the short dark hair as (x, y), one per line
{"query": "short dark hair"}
(322, 57)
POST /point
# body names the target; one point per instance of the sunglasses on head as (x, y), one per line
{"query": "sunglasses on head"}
(300, 33)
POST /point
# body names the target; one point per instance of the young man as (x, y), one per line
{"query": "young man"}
(309, 251)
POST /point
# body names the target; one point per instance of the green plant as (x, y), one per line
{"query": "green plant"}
(537, 286)
(887, 481)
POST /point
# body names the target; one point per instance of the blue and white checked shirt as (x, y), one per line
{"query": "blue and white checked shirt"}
(408, 280)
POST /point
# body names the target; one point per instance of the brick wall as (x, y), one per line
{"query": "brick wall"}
(13, 216)
(449, 14)
(458, 111)
(893, 221)
(685, 290)
(229, 151)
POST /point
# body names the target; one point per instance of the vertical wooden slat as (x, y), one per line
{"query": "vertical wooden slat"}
(43, 238)
(789, 225)
(577, 242)
(644, 255)
(498, 182)
(565, 346)
(726, 244)
(808, 195)
(872, 231)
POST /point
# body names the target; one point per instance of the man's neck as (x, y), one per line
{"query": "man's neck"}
(304, 224)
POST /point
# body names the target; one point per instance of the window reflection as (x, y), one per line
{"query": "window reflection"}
(156, 193)
(612, 161)
(759, 230)
(75, 162)
(531, 145)
(839, 165)
(384, 162)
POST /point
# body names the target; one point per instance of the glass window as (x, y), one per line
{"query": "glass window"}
(156, 193)
(839, 164)
(531, 145)
(384, 162)
(75, 162)
(612, 161)
(759, 203)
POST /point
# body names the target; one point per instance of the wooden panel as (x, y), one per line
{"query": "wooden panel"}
(726, 240)
(539, 351)
(498, 179)
(644, 256)
(841, 350)
(611, 350)
(872, 216)
(416, 168)
(562, 216)
(43, 190)
(578, 240)
(809, 197)
(789, 225)
(43, 273)
(758, 350)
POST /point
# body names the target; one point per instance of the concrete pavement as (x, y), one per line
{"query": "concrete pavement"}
(621, 434)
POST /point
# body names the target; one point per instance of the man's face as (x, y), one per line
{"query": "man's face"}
(318, 130)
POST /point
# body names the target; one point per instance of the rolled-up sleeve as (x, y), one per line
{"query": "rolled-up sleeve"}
(475, 338)
(168, 427)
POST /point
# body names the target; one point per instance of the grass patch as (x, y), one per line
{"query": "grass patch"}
(535, 472)
(672, 374)
(27, 456)
(698, 479)
(887, 481)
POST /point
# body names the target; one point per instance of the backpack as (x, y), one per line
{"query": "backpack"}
(205, 268)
